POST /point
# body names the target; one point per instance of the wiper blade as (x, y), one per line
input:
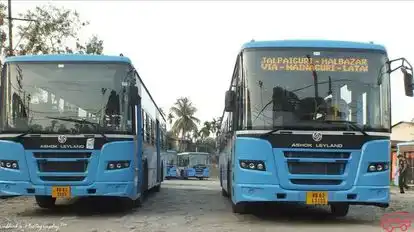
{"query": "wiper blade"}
(270, 132)
(18, 137)
(74, 120)
(82, 121)
(289, 128)
(351, 124)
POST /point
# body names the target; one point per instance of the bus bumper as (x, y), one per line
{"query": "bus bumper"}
(116, 189)
(358, 195)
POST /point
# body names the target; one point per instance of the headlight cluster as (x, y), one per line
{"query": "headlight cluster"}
(11, 164)
(114, 165)
(253, 165)
(378, 167)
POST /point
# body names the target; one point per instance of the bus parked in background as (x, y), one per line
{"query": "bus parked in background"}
(170, 164)
(194, 165)
(309, 122)
(78, 125)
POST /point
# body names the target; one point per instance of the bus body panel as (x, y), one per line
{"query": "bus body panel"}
(254, 185)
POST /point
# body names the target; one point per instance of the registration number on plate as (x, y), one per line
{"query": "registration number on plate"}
(317, 198)
(61, 192)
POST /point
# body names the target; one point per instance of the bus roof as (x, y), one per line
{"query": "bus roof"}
(313, 44)
(193, 153)
(68, 57)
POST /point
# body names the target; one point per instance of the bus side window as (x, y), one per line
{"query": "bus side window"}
(161, 139)
(153, 131)
(147, 128)
(144, 130)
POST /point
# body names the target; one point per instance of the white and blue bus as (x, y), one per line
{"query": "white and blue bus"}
(77, 126)
(193, 165)
(309, 122)
(170, 164)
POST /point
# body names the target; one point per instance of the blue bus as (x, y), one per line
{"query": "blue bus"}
(170, 166)
(194, 165)
(309, 122)
(78, 126)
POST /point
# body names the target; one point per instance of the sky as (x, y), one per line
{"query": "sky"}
(189, 49)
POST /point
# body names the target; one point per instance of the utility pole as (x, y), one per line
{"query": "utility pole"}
(10, 19)
(10, 29)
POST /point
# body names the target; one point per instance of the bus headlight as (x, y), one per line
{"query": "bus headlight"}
(120, 164)
(258, 165)
(10, 164)
(378, 167)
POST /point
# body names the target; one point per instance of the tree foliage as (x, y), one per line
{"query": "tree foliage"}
(51, 31)
(185, 128)
(186, 121)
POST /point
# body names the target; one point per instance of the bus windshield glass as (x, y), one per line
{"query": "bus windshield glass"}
(73, 98)
(311, 88)
(198, 159)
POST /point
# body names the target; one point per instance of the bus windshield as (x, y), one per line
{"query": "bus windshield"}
(75, 97)
(198, 159)
(311, 87)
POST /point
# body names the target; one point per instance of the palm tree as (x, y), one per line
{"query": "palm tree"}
(205, 130)
(170, 118)
(185, 122)
(215, 125)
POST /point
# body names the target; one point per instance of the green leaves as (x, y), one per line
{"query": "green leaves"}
(52, 31)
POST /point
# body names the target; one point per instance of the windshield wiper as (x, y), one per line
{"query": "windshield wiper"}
(82, 121)
(288, 128)
(351, 124)
(18, 137)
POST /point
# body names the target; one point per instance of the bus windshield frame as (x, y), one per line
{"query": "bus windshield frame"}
(308, 87)
(67, 97)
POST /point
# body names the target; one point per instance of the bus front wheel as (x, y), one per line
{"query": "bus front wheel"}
(339, 210)
(46, 202)
(240, 208)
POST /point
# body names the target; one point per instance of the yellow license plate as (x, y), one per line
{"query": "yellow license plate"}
(317, 198)
(61, 192)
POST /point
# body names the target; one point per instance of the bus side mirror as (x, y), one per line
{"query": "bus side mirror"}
(230, 101)
(408, 82)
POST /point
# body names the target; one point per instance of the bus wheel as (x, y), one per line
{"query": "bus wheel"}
(126, 203)
(339, 210)
(157, 188)
(46, 202)
(224, 193)
(138, 202)
(240, 208)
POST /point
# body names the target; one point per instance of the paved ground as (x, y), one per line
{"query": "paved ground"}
(188, 206)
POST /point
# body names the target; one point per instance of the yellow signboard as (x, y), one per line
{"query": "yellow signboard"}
(314, 64)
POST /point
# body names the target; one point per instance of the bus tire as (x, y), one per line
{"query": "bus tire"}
(157, 188)
(138, 202)
(46, 202)
(144, 186)
(126, 203)
(339, 210)
(224, 193)
(162, 172)
(240, 208)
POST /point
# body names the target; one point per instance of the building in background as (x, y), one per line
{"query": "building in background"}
(402, 132)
